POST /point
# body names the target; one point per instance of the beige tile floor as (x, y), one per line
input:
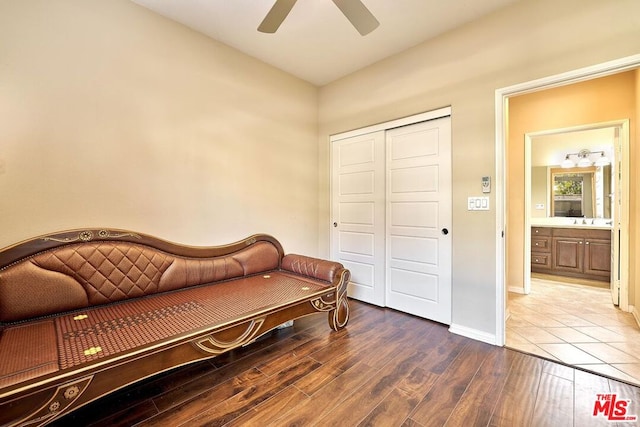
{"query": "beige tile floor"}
(575, 324)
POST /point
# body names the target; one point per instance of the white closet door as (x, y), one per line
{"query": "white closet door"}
(358, 210)
(418, 218)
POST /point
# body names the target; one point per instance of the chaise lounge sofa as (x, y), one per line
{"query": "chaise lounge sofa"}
(86, 312)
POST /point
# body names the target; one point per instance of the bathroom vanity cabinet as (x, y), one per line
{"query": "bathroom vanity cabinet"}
(574, 252)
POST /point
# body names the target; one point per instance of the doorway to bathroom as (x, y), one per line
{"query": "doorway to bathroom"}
(576, 212)
(576, 205)
(592, 93)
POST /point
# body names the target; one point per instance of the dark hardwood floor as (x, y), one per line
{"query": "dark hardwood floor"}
(385, 369)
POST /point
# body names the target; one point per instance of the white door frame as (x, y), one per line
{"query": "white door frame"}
(409, 120)
(501, 99)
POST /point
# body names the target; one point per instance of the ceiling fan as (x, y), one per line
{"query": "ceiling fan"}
(355, 11)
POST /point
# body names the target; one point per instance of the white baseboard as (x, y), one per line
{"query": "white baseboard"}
(473, 334)
(516, 290)
(636, 314)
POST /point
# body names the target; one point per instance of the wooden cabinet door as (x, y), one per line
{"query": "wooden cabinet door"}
(568, 254)
(597, 257)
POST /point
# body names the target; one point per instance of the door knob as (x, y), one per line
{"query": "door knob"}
(445, 231)
(335, 224)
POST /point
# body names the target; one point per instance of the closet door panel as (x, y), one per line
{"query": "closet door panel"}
(358, 183)
(418, 199)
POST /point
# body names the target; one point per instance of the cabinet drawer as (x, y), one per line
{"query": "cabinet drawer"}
(540, 261)
(582, 233)
(540, 244)
(540, 231)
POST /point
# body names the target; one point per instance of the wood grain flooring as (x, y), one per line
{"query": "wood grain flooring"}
(385, 369)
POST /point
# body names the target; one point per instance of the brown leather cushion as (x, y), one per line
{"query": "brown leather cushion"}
(313, 267)
(88, 274)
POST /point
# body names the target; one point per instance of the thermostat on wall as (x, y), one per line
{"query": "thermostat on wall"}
(486, 184)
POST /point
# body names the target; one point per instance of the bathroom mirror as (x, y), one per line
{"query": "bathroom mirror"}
(576, 192)
(572, 192)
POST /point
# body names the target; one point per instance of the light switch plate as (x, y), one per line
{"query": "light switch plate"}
(471, 203)
(478, 203)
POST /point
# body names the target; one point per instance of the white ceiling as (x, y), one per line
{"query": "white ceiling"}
(316, 42)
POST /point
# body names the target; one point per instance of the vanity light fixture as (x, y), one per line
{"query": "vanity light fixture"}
(568, 163)
(583, 158)
(602, 160)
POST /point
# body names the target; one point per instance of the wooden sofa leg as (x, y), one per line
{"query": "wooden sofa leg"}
(339, 317)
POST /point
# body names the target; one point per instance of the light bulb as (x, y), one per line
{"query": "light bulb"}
(567, 163)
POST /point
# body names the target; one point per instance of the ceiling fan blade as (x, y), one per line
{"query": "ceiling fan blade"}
(358, 14)
(276, 15)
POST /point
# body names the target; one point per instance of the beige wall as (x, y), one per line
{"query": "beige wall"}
(539, 191)
(112, 116)
(463, 69)
(595, 101)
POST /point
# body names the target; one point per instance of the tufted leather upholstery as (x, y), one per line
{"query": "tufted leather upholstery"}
(109, 272)
(87, 274)
(312, 267)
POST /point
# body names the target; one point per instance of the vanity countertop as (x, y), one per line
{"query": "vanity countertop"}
(592, 224)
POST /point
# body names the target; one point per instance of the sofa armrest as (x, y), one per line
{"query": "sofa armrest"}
(312, 267)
